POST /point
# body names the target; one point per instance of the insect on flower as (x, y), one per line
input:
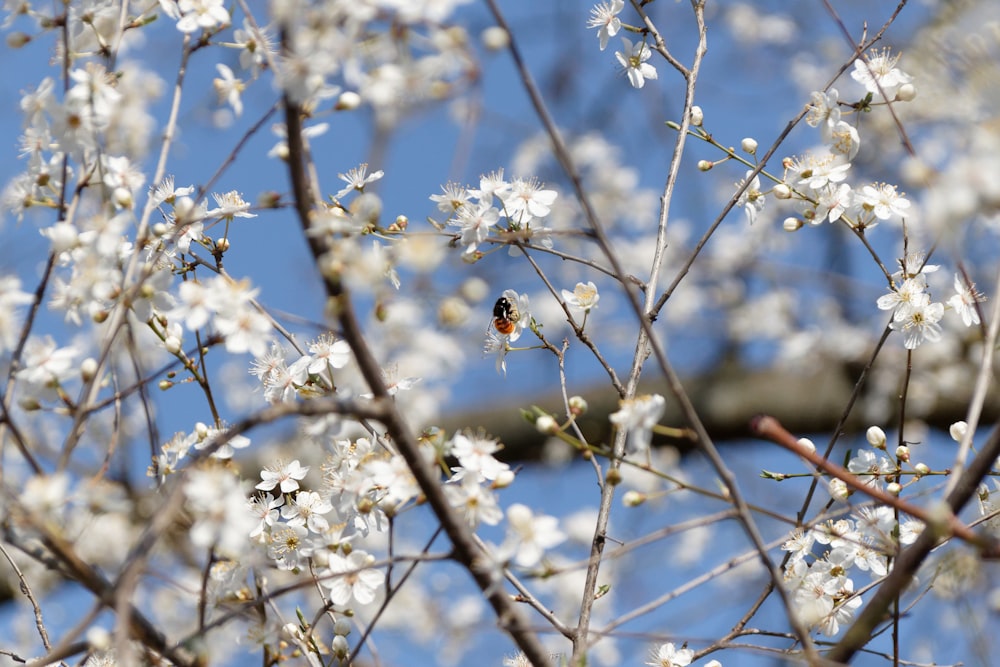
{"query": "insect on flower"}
(505, 316)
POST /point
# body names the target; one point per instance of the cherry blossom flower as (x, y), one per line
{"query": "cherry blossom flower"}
(633, 61)
(638, 416)
(496, 344)
(845, 140)
(264, 508)
(584, 297)
(45, 365)
(453, 198)
(217, 502)
(905, 298)
(475, 502)
(605, 17)
(870, 466)
(832, 202)
(751, 199)
(964, 301)
(668, 655)
(286, 477)
(882, 200)
(195, 14)
(824, 112)
(920, 324)
(357, 179)
(527, 201)
(529, 536)
(307, 509)
(11, 297)
(351, 578)
(880, 71)
(229, 88)
(816, 172)
(475, 456)
(231, 205)
(476, 221)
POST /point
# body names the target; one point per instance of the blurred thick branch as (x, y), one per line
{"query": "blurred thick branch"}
(726, 398)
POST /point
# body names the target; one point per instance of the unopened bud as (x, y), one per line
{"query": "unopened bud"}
(875, 437)
(98, 639)
(838, 490)
(546, 424)
(347, 101)
(16, 40)
(792, 224)
(957, 431)
(749, 146)
(697, 116)
(88, 369)
(705, 165)
(906, 93)
(173, 344)
(495, 38)
(808, 445)
(903, 453)
(577, 405)
(893, 488)
(922, 468)
(614, 477)
(503, 479)
(339, 647)
(633, 499)
(782, 191)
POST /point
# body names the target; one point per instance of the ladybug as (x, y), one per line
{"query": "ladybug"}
(505, 316)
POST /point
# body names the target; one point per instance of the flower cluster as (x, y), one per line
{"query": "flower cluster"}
(822, 589)
(913, 312)
(514, 209)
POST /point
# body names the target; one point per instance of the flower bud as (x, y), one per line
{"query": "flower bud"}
(922, 468)
(697, 116)
(339, 647)
(577, 405)
(633, 499)
(342, 627)
(503, 479)
(614, 477)
(88, 369)
(173, 344)
(792, 224)
(29, 404)
(98, 639)
(808, 445)
(749, 145)
(906, 93)
(495, 38)
(893, 488)
(903, 453)
(546, 424)
(16, 40)
(705, 165)
(838, 490)
(875, 437)
(957, 431)
(347, 101)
